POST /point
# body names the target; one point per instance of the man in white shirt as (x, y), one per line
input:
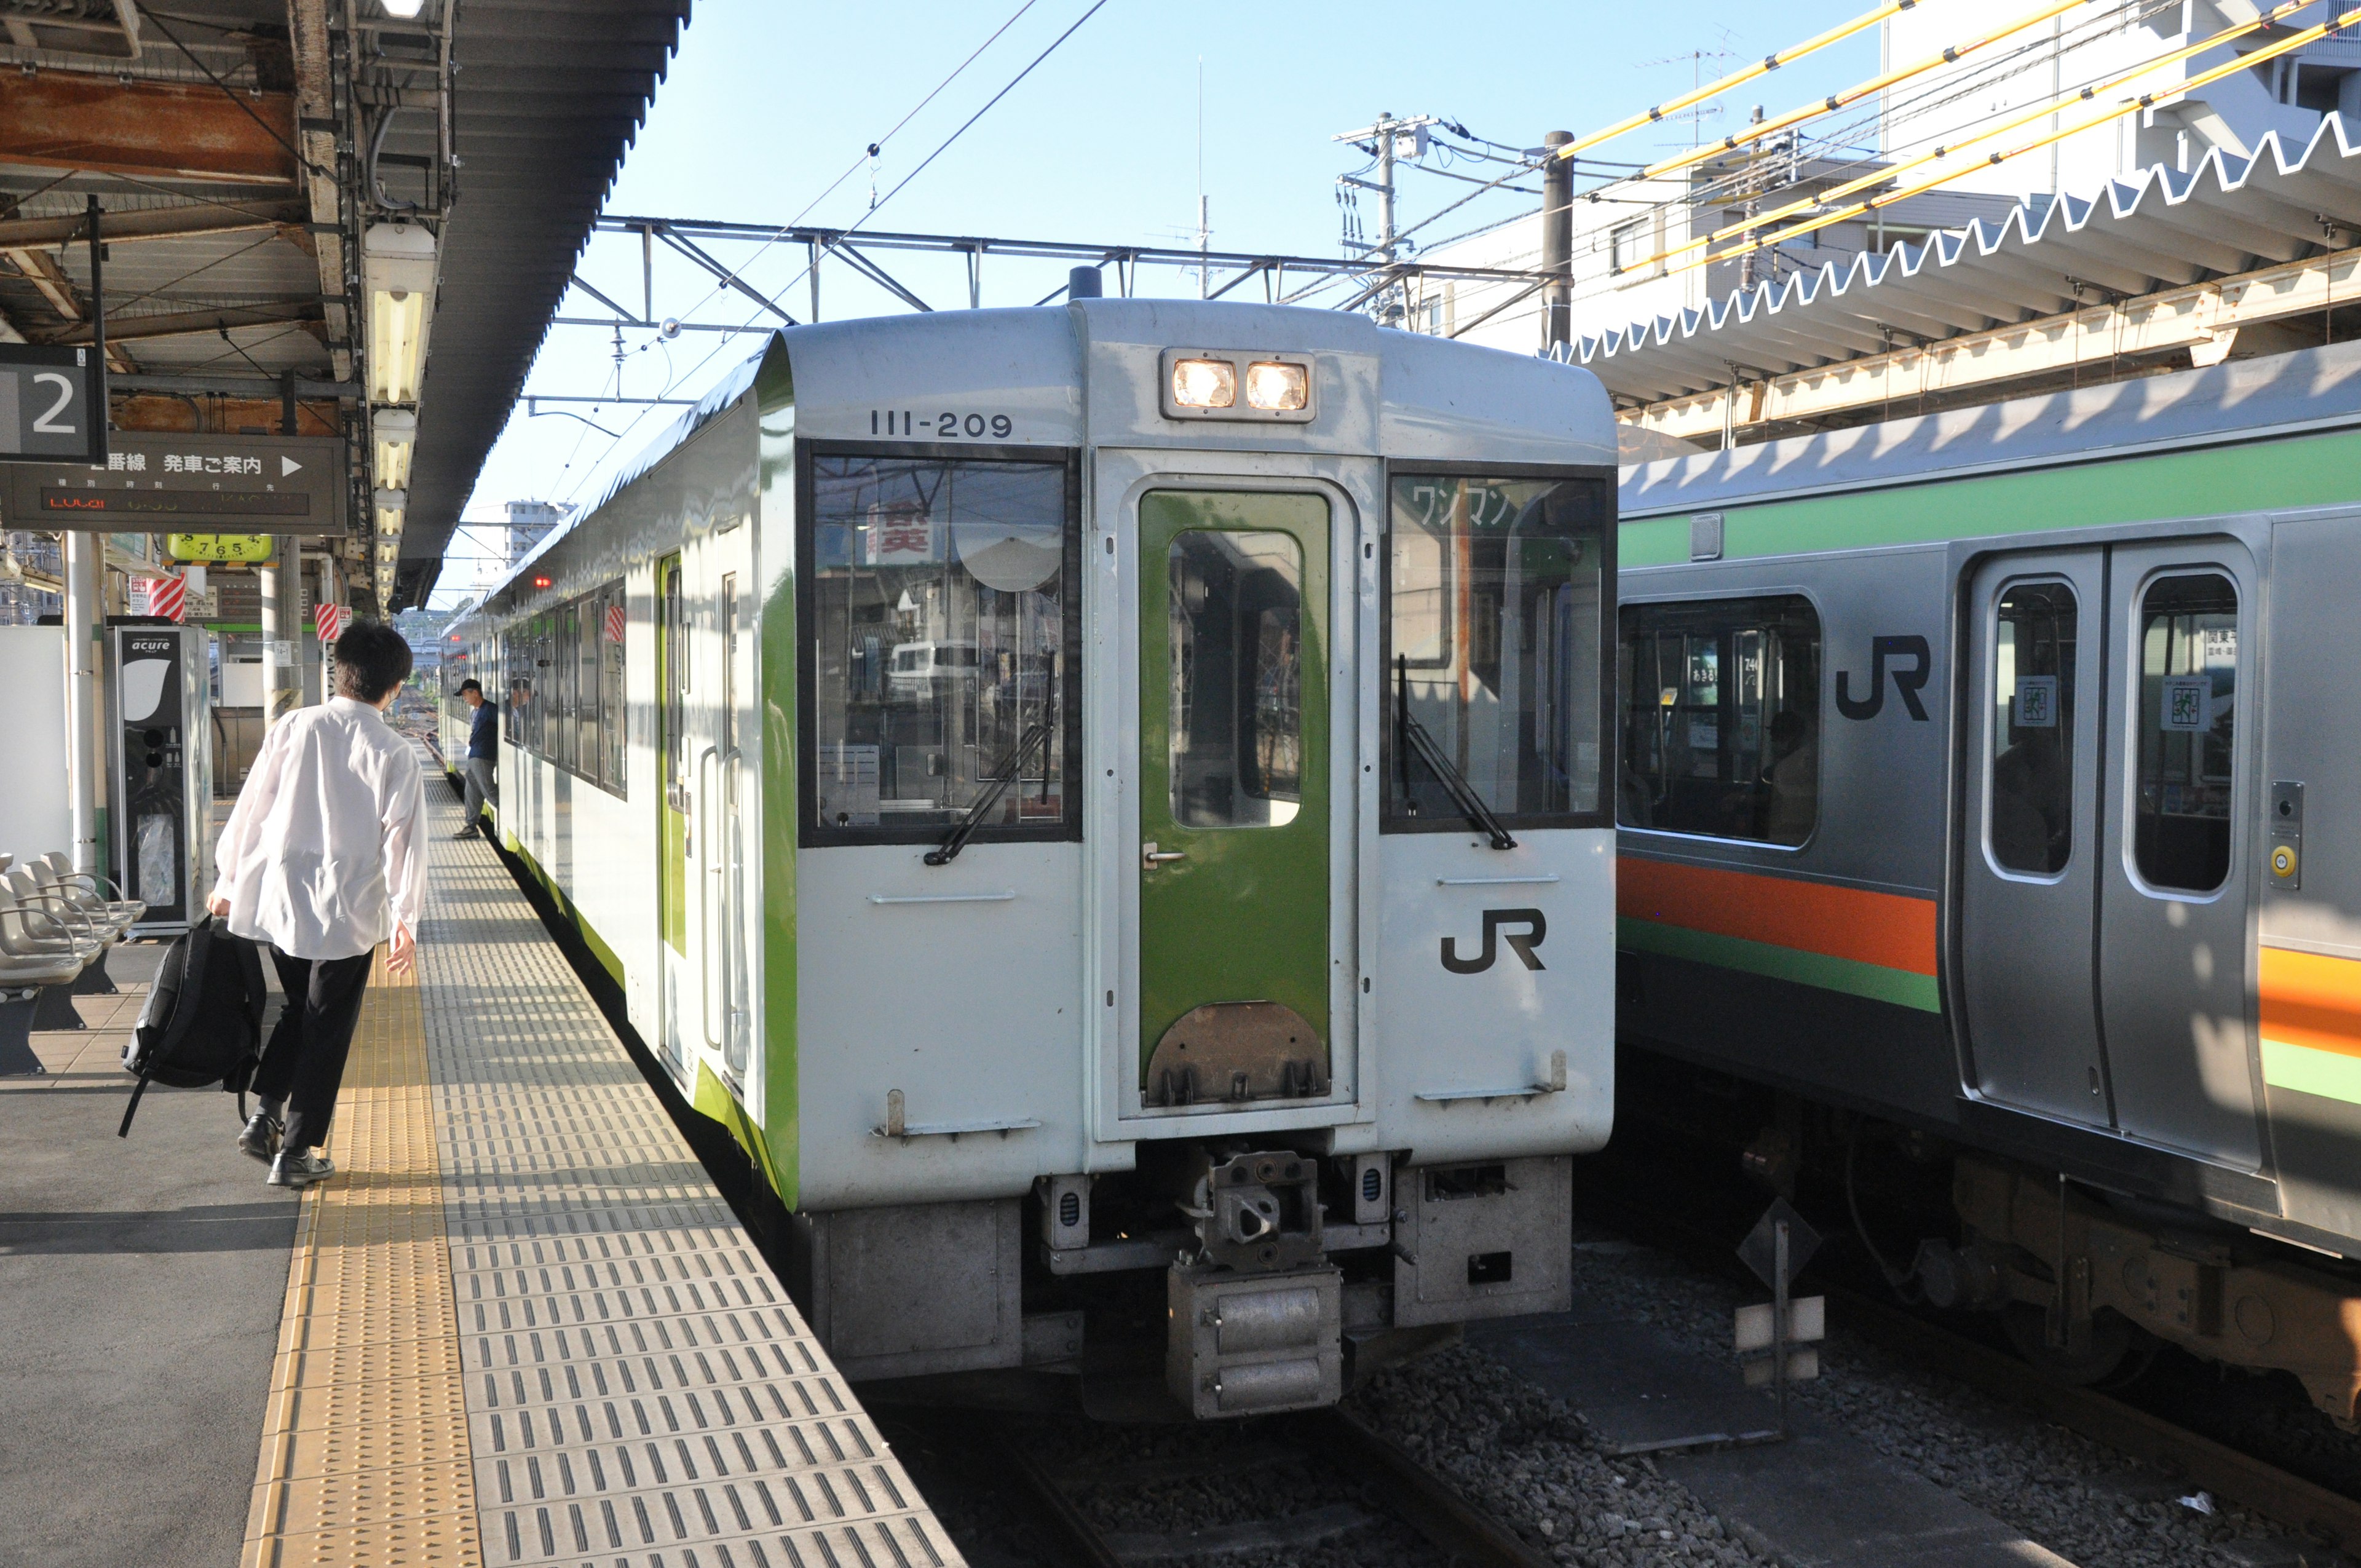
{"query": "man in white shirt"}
(323, 857)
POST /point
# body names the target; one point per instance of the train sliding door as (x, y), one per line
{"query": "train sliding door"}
(675, 989)
(2174, 914)
(2028, 908)
(2104, 897)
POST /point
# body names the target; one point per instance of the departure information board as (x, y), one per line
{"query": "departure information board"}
(158, 482)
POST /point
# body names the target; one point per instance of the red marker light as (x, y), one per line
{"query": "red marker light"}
(541, 582)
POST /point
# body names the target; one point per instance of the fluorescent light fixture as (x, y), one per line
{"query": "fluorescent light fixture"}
(396, 434)
(1277, 385)
(406, 10)
(1204, 383)
(390, 505)
(398, 278)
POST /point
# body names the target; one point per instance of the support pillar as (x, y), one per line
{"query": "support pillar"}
(85, 764)
(283, 657)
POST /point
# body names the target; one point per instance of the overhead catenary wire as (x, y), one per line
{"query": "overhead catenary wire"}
(869, 151)
(1822, 219)
(723, 340)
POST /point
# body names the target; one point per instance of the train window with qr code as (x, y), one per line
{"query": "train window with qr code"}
(2031, 827)
(1721, 705)
(2188, 731)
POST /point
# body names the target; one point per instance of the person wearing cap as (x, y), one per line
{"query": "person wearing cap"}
(483, 755)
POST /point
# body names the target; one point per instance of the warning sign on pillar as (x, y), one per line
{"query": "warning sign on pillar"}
(165, 598)
(331, 620)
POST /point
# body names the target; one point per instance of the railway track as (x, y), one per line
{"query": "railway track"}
(1354, 1480)
(2329, 1517)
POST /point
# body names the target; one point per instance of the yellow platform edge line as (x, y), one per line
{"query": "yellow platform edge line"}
(364, 1407)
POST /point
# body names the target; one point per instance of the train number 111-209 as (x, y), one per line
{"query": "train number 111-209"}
(942, 426)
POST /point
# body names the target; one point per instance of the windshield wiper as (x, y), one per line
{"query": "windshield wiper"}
(1414, 739)
(1003, 777)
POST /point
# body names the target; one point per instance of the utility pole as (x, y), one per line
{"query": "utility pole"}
(1383, 137)
(1557, 243)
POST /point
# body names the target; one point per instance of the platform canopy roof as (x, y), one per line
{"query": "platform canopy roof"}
(2157, 230)
(550, 94)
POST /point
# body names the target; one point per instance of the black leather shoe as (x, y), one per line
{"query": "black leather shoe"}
(299, 1168)
(260, 1138)
(466, 833)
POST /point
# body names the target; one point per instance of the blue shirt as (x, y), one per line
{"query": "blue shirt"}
(484, 733)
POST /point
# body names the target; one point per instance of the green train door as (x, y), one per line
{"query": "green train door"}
(1234, 871)
(673, 811)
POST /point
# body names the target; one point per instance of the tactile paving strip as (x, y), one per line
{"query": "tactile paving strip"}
(365, 1456)
(639, 1392)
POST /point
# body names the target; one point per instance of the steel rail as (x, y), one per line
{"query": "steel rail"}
(1413, 1492)
(1427, 1502)
(2240, 1479)
(2234, 1476)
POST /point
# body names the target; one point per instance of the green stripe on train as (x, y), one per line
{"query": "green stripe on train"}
(2331, 1075)
(1877, 982)
(2262, 476)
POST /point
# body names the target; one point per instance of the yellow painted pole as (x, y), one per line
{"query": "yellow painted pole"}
(1880, 176)
(1854, 95)
(2310, 35)
(1764, 67)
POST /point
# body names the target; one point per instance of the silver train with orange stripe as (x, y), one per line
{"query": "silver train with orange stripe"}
(1985, 813)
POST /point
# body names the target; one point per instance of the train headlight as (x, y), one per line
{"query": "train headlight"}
(1206, 383)
(1278, 387)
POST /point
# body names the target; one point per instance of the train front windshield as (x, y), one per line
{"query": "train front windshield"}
(1493, 648)
(938, 603)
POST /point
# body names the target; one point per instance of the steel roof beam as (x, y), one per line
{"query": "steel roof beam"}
(57, 119)
(183, 324)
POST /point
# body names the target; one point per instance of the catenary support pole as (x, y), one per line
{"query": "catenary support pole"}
(1557, 243)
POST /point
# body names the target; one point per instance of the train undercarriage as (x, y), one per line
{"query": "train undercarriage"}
(1217, 1279)
(2087, 1283)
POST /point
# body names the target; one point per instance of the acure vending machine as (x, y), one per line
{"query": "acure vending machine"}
(159, 806)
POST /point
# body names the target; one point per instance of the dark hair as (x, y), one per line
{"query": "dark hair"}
(371, 660)
(470, 684)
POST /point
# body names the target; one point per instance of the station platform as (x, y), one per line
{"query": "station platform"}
(519, 1326)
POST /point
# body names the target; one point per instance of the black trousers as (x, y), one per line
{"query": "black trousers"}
(304, 1061)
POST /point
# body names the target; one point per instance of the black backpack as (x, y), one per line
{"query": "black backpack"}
(202, 1022)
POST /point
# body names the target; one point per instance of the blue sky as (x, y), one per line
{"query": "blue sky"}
(768, 102)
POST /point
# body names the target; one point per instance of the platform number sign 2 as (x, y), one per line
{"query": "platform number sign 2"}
(47, 399)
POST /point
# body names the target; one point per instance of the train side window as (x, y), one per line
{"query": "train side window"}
(1494, 646)
(613, 725)
(2032, 824)
(1721, 718)
(1235, 723)
(2188, 731)
(942, 645)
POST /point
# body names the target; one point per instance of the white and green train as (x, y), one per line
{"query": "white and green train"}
(1109, 805)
